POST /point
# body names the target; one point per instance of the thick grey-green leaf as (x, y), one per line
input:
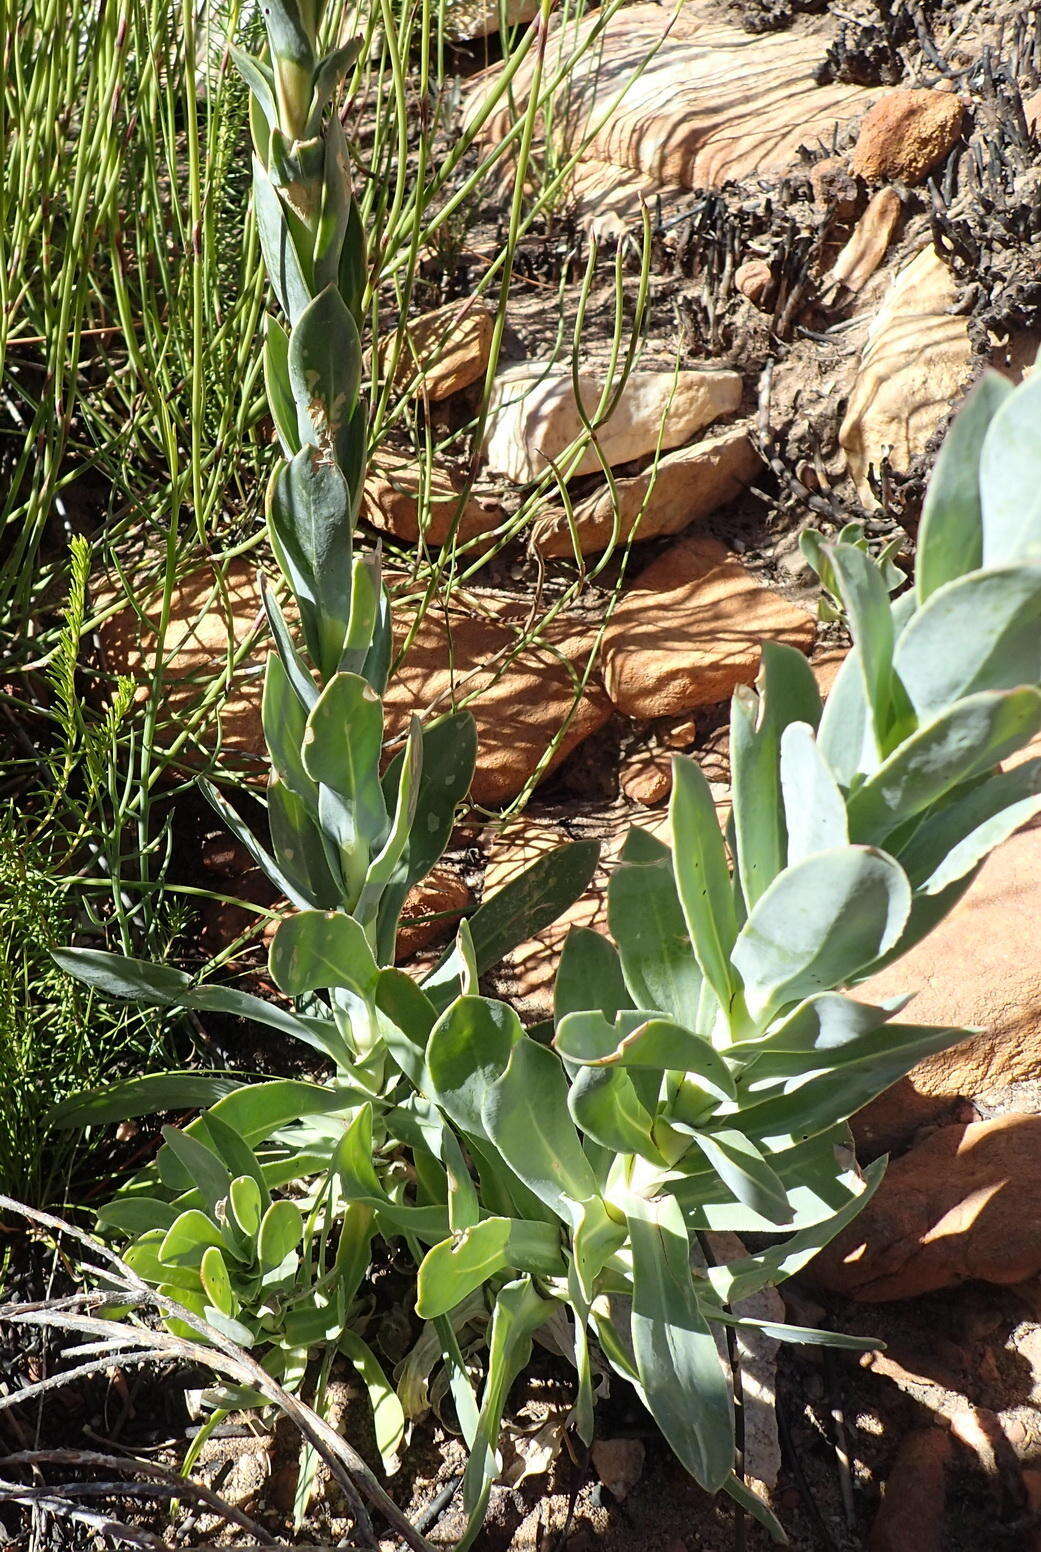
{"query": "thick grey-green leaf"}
(642, 1040)
(309, 525)
(519, 1310)
(702, 876)
(741, 1166)
(454, 1268)
(299, 848)
(449, 755)
(320, 949)
(737, 1280)
(866, 599)
(342, 749)
(280, 256)
(646, 921)
(468, 1049)
(785, 692)
(277, 386)
(605, 1105)
(951, 841)
(324, 370)
(814, 808)
(680, 1372)
(285, 718)
(819, 924)
(838, 1090)
(845, 737)
(589, 976)
(969, 738)
(950, 534)
(141, 1096)
(519, 909)
(979, 632)
(525, 1115)
(1010, 478)
(297, 671)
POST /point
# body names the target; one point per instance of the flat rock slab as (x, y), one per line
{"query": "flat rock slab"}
(481, 18)
(678, 490)
(400, 500)
(704, 102)
(444, 351)
(916, 365)
(689, 631)
(978, 969)
(524, 698)
(534, 416)
(965, 1204)
(213, 615)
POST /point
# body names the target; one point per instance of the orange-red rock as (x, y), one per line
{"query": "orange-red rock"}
(689, 631)
(396, 499)
(646, 777)
(963, 1204)
(215, 619)
(755, 280)
(910, 1518)
(445, 350)
(702, 102)
(685, 486)
(432, 910)
(522, 697)
(905, 133)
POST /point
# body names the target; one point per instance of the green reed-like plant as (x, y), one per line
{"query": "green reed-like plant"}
(705, 1059)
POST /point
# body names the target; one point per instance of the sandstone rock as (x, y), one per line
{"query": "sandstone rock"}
(446, 350)
(480, 18)
(905, 133)
(432, 911)
(393, 493)
(646, 777)
(911, 1516)
(607, 200)
(213, 616)
(619, 1465)
(685, 486)
(971, 971)
(703, 101)
(755, 280)
(533, 416)
(867, 246)
(963, 1204)
(916, 364)
(521, 699)
(689, 630)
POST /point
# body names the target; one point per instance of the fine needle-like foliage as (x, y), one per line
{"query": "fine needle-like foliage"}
(705, 1058)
